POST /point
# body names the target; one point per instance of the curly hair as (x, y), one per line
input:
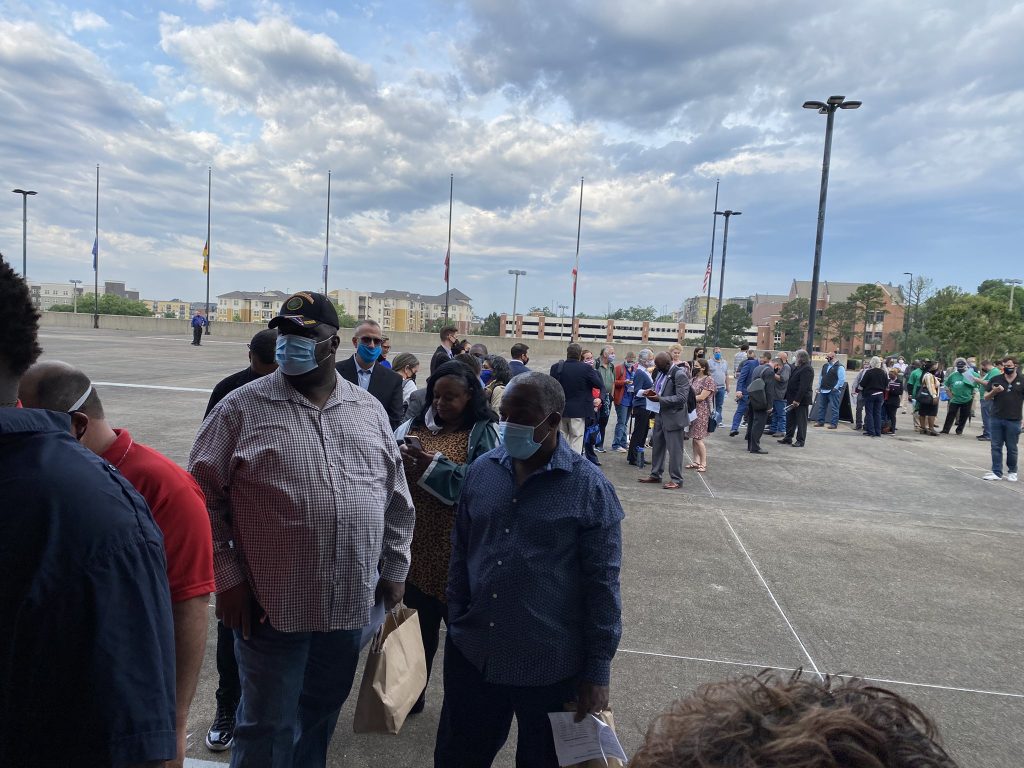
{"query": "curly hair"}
(767, 721)
(19, 321)
(500, 372)
(478, 408)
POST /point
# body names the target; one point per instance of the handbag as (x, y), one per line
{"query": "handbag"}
(924, 397)
(394, 676)
(712, 423)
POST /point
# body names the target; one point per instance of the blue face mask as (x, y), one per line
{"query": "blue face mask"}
(518, 439)
(296, 355)
(718, 355)
(485, 376)
(367, 354)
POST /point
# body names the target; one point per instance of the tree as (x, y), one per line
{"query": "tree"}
(171, 315)
(109, 304)
(842, 318)
(435, 326)
(792, 325)
(735, 323)
(634, 313)
(1000, 291)
(665, 319)
(975, 325)
(345, 320)
(869, 298)
(491, 325)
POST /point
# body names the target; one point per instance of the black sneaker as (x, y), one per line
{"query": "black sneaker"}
(221, 735)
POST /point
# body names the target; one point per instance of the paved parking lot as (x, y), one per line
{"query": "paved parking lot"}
(887, 558)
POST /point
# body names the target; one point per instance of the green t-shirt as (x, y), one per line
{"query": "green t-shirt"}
(914, 381)
(993, 372)
(960, 388)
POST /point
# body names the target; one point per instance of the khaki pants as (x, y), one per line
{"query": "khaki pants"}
(572, 430)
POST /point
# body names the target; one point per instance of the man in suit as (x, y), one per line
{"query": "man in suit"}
(757, 418)
(449, 335)
(361, 369)
(798, 396)
(578, 381)
(520, 359)
(671, 388)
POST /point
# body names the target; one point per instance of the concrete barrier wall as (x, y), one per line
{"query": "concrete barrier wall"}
(400, 342)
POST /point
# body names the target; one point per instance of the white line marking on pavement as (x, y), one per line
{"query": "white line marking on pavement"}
(151, 386)
(771, 594)
(701, 476)
(997, 483)
(793, 669)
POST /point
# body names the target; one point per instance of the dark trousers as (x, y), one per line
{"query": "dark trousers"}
(229, 688)
(477, 715)
(641, 426)
(796, 424)
(873, 415)
(892, 407)
(960, 412)
(756, 422)
(197, 335)
(431, 612)
(602, 420)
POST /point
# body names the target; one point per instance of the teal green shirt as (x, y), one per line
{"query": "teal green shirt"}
(961, 389)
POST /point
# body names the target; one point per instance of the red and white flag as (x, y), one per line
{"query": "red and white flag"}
(447, 260)
(707, 273)
(575, 273)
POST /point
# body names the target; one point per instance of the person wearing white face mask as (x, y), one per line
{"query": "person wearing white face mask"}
(303, 482)
(534, 604)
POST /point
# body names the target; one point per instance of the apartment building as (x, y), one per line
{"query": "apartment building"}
(249, 306)
(46, 295)
(406, 311)
(696, 310)
(180, 309)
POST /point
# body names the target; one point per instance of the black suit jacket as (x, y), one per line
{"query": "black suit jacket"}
(801, 385)
(577, 380)
(440, 357)
(385, 385)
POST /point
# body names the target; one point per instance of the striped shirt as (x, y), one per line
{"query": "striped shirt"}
(304, 502)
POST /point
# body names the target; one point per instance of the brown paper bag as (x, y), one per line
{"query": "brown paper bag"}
(608, 719)
(394, 676)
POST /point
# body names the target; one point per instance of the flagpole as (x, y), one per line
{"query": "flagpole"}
(209, 200)
(576, 269)
(448, 254)
(96, 258)
(711, 261)
(327, 246)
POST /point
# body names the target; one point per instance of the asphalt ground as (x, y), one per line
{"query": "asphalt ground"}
(884, 558)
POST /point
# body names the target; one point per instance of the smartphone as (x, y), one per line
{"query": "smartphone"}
(414, 442)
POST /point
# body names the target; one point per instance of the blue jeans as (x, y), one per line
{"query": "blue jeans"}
(986, 416)
(1004, 431)
(621, 420)
(873, 415)
(476, 717)
(778, 416)
(293, 686)
(828, 406)
(719, 402)
(741, 408)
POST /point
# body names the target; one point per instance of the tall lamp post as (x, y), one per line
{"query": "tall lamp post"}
(827, 108)
(1013, 283)
(24, 229)
(515, 295)
(561, 320)
(74, 294)
(721, 273)
(906, 304)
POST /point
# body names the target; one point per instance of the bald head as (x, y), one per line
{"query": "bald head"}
(57, 386)
(663, 361)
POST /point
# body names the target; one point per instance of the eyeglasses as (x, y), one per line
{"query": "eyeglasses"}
(371, 341)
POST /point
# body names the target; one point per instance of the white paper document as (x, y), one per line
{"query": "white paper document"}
(653, 406)
(590, 739)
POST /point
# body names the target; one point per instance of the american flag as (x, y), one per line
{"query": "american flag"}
(707, 273)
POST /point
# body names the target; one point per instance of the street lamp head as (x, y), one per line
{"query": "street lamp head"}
(850, 105)
(814, 105)
(23, 191)
(835, 101)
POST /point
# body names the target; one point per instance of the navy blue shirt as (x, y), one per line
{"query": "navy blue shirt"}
(638, 381)
(86, 635)
(533, 586)
(745, 376)
(517, 367)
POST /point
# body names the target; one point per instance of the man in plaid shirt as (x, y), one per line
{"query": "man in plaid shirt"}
(307, 498)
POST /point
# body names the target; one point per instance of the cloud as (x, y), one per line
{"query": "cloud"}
(87, 20)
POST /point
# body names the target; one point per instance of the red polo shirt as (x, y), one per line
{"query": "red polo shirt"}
(179, 509)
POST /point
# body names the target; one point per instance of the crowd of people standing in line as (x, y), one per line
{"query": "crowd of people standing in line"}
(314, 491)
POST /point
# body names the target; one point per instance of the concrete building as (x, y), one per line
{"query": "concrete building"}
(696, 309)
(46, 295)
(117, 288)
(249, 306)
(403, 311)
(180, 309)
(590, 330)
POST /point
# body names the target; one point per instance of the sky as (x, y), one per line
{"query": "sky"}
(651, 103)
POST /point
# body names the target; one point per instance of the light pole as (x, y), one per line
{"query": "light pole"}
(74, 294)
(906, 304)
(561, 320)
(1013, 283)
(515, 295)
(721, 274)
(829, 110)
(24, 229)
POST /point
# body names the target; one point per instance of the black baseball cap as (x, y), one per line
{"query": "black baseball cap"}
(307, 310)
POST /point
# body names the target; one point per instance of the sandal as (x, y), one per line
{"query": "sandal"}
(702, 467)
(694, 465)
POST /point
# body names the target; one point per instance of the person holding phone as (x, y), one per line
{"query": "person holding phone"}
(457, 427)
(1007, 395)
